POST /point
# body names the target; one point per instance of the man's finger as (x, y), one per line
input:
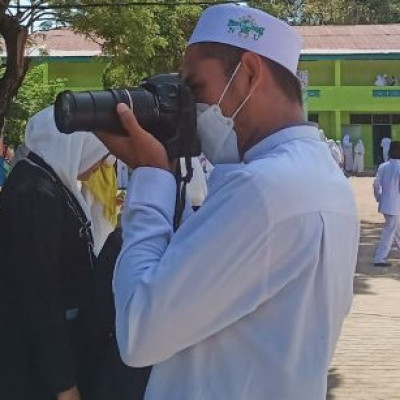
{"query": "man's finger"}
(150, 152)
(141, 139)
(128, 119)
(120, 146)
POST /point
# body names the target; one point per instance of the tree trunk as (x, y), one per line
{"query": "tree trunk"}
(15, 37)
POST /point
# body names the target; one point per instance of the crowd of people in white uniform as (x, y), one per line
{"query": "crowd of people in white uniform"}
(349, 158)
(386, 186)
(353, 156)
(386, 80)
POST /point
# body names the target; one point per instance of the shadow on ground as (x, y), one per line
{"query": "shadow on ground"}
(370, 235)
(365, 274)
(333, 382)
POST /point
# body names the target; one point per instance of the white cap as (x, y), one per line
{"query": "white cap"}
(252, 30)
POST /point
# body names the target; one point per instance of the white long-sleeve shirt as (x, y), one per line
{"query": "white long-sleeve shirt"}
(246, 300)
(387, 187)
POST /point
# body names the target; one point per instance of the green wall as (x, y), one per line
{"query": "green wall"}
(354, 98)
(320, 73)
(345, 116)
(325, 122)
(79, 74)
(366, 132)
(396, 132)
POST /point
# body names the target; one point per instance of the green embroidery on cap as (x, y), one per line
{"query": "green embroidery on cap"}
(245, 26)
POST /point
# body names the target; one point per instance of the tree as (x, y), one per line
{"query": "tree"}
(140, 41)
(33, 96)
(16, 22)
(288, 10)
(321, 12)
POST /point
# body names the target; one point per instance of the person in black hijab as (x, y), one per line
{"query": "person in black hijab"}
(47, 345)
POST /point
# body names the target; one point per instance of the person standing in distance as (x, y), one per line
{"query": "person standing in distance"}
(247, 298)
(348, 154)
(387, 194)
(385, 144)
(359, 153)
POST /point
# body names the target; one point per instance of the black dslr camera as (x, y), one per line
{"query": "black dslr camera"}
(163, 105)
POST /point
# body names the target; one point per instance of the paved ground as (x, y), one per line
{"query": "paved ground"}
(366, 365)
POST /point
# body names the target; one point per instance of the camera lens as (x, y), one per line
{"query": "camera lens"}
(96, 110)
(64, 112)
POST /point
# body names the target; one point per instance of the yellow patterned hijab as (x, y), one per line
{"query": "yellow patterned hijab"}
(103, 186)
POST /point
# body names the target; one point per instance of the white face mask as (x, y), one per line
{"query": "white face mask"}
(216, 132)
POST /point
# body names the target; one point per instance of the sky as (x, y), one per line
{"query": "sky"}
(27, 2)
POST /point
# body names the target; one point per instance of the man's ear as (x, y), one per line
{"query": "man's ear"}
(254, 65)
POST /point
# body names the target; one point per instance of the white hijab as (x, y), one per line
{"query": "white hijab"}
(68, 155)
(346, 141)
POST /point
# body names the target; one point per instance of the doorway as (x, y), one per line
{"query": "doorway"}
(379, 132)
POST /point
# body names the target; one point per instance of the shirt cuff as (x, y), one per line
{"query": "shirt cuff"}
(152, 186)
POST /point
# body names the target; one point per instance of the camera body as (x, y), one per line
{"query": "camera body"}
(163, 105)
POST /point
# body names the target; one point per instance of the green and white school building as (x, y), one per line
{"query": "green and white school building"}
(342, 64)
(339, 64)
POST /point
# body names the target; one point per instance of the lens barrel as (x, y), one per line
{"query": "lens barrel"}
(96, 110)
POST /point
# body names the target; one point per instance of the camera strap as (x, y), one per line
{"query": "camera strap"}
(181, 186)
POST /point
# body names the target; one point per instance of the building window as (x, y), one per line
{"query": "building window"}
(381, 119)
(357, 119)
(375, 119)
(313, 118)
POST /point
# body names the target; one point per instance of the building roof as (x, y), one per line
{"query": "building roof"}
(317, 40)
(355, 39)
(64, 42)
(61, 43)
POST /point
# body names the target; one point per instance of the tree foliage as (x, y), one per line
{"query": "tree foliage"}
(288, 10)
(140, 41)
(321, 12)
(16, 23)
(34, 95)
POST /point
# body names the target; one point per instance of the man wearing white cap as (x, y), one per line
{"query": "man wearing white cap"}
(245, 301)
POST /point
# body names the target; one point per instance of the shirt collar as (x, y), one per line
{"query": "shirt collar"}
(295, 132)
